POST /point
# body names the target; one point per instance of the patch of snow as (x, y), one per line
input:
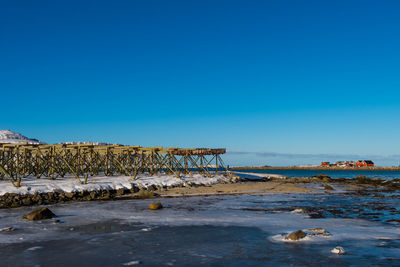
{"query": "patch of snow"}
(31, 185)
(7, 229)
(298, 210)
(34, 248)
(131, 263)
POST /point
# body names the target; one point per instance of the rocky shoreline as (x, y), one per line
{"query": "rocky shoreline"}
(360, 180)
(321, 168)
(13, 200)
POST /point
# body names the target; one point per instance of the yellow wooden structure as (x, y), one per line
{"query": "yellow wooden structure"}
(18, 161)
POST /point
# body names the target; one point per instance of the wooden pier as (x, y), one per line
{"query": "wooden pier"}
(18, 161)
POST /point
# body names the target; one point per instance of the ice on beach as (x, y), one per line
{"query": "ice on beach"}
(131, 263)
(131, 226)
(194, 211)
(34, 248)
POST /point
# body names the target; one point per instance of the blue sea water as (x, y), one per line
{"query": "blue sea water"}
(237, 230)
(386, 175)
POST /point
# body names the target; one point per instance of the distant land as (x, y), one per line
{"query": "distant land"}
(10, 137)
(375, 168)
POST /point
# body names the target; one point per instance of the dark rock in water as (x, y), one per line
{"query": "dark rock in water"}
(361, 178)
(393, 221)
(328, 187)
(316, 215)
(40, 214)
(299, 234)
(155, 206)
(323, 177)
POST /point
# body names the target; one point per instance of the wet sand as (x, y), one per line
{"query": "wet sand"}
(276, 186)
(237, 188)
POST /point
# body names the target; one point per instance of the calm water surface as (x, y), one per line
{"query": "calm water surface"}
(332, 173)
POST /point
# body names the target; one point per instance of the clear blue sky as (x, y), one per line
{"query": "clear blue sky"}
(276, 82)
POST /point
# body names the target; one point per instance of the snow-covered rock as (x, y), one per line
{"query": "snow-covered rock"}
(10, 137)
(338, 250)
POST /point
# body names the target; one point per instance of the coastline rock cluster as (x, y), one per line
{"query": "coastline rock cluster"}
(12, 200)
(359, 180)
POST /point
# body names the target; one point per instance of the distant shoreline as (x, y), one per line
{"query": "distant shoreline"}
(377, 168)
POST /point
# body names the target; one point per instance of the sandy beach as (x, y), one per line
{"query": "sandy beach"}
(238, 188)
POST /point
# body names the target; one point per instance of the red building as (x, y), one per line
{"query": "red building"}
(365, 163)
(326, 164)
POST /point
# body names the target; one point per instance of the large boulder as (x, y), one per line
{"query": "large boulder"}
(40, 214)
(155, 206)
(299, 234)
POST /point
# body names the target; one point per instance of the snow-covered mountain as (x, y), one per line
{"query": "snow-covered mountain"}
(9, 137)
